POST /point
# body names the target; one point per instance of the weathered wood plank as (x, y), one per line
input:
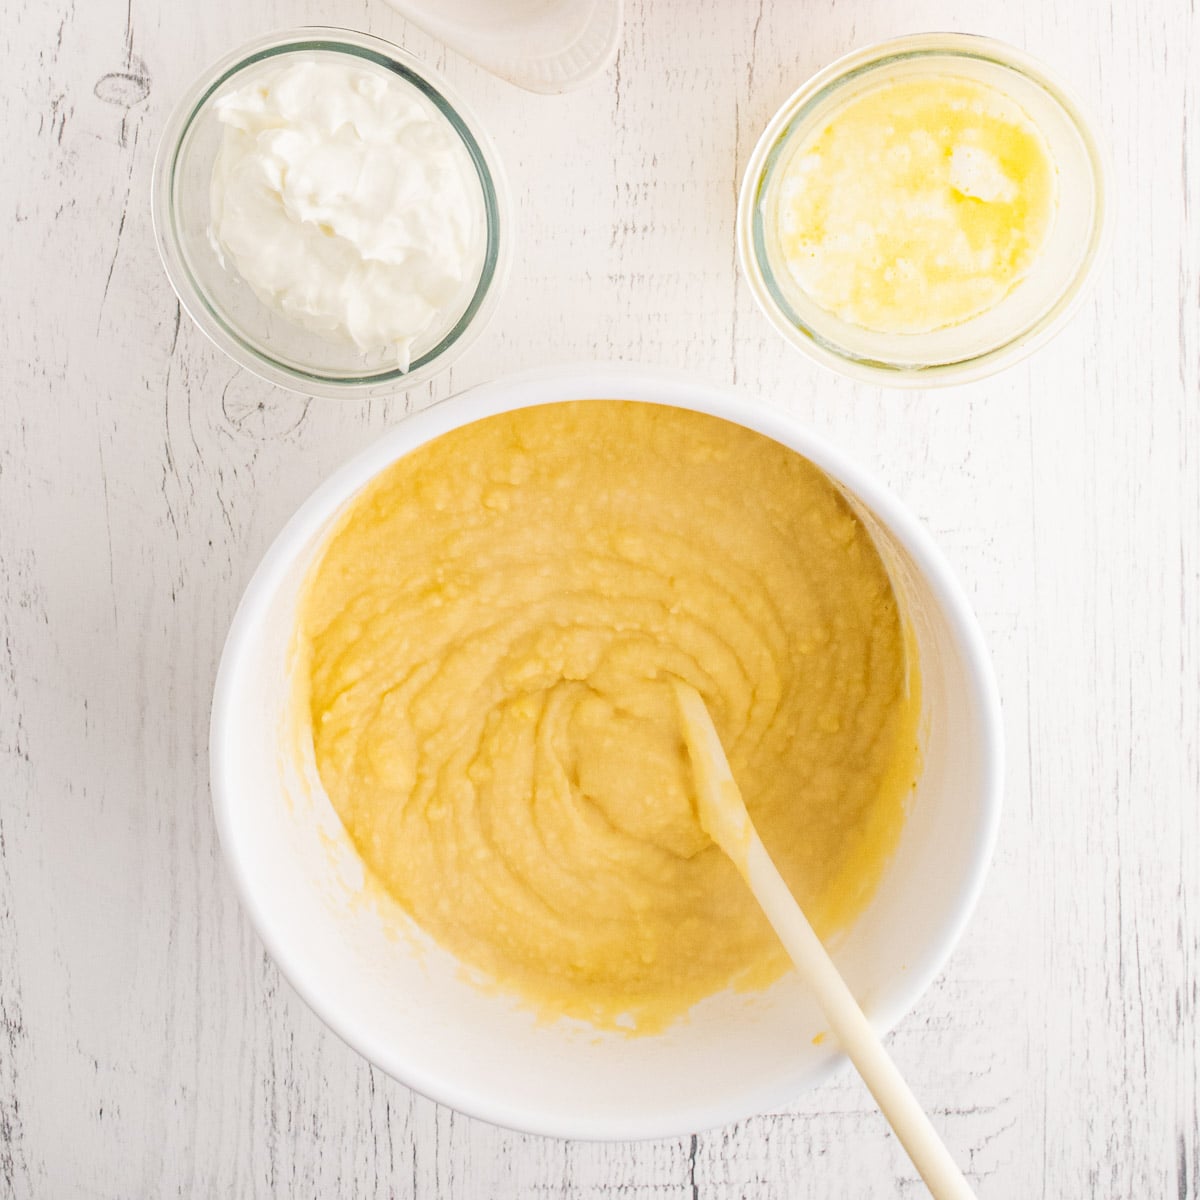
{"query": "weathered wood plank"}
(147, 1047)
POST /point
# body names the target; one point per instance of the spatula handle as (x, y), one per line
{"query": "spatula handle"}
(852, 1029)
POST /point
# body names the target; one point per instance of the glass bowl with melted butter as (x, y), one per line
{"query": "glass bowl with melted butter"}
(925, 211)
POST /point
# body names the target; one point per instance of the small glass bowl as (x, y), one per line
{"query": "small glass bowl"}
(222, 303)
(1033, 310)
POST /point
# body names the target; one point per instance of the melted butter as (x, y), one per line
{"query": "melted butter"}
(918, 205)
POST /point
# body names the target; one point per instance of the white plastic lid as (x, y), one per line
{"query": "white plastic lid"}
(540, 45)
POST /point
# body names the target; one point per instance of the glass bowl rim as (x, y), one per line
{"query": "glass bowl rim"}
(789, 121)
(210, 318)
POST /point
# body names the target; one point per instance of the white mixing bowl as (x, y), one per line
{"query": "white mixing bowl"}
(406, 1005)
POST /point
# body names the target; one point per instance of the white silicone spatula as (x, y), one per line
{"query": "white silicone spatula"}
(725, 819)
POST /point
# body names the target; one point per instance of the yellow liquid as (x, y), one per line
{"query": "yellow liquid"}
(489, 644)
(918, 205)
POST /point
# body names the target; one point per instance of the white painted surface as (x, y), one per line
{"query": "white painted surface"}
(147, 1048)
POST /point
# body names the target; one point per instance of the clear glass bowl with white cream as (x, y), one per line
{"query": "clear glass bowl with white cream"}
(330, 215)
(924, 211)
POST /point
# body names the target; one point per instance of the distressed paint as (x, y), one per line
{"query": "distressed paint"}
(147, 1047)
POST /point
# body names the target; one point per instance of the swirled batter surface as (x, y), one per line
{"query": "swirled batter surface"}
(490, 639)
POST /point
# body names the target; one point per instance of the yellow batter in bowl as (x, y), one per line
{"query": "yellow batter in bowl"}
(487, 647)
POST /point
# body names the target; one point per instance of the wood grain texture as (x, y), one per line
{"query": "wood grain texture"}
(148, 1047)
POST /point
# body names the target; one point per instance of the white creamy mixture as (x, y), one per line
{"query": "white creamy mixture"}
(348, 203)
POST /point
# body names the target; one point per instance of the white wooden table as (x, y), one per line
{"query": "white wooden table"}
(147, 1045)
